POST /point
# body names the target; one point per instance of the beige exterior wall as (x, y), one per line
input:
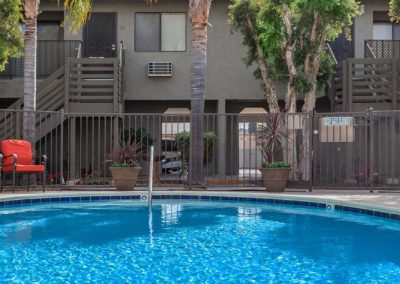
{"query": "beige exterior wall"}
(363, 24)
(227, 76)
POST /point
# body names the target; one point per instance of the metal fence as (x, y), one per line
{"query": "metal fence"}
(51, 55)
(332, 150)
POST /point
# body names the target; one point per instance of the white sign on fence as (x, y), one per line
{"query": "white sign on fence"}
(336, 129)
(337, 121)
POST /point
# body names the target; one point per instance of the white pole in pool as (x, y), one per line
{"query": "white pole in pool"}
(151, 170)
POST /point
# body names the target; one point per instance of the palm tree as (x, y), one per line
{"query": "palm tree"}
(199, 12)
(78, 13)
(31, 8)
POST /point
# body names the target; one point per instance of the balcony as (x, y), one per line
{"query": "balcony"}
(51, 55)
(382, 49)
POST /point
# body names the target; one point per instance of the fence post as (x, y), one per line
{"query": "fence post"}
(222, 141)
(115, 86)
(18, 118)
(66, 84)
(370, 115)
(62, 148)
(394, 82)
(349, 85)
(344, 85)
(311, 149)
(72, 147)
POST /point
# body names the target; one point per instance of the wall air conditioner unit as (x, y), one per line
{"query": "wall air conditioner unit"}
(159, 69)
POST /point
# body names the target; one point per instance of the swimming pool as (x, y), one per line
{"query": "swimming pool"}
(185, 241)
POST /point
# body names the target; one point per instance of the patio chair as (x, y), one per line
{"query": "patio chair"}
(17, 159)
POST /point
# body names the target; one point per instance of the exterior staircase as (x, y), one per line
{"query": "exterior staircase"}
(92, 85)
(360, 83)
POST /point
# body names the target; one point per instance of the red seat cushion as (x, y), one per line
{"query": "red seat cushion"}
(21, 148)
(25, 168)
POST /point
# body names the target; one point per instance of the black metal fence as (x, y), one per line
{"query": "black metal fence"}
(332, 150)
(51, 55)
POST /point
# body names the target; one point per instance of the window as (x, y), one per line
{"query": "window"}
(47, 31)
(173, 32)
(382, 28)
(382, 31)
(160, 32)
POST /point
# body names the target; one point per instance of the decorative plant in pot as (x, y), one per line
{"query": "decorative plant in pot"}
(270, 138)
(125, 167)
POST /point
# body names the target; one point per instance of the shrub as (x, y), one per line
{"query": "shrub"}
(182, 141)
(271, 136)
(126, 154)
(275, 165)
(139, 136)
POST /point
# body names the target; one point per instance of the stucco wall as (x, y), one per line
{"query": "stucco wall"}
(227, 76)
(363, 24)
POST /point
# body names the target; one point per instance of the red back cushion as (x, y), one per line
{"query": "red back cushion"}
(21, 148)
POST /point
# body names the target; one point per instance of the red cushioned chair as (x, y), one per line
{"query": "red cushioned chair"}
(18, 159)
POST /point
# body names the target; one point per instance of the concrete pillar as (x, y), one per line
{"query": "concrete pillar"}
(72, 148)
(221, 138)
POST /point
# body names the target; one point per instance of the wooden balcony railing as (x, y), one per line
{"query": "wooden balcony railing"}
(382, 49)
(51, 55)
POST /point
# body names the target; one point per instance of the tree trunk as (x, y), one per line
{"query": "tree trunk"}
(30, 38)
(199, 11)
(270, 91)
(312, 64)
(290, 104)
(290, 151)
(288, 50)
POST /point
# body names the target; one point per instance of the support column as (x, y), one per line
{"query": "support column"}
(72, 148)
(221, 138)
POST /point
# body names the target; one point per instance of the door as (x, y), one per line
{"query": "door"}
(99, 35)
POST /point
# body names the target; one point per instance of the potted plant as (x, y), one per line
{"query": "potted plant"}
(125, 167)
(270, 138)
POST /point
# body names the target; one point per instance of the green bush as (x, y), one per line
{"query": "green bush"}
(139, 136)
(275, 165)
(124, 165)
(182, 141)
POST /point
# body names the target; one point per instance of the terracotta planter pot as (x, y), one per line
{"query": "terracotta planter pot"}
(124, 178)
(275, 179)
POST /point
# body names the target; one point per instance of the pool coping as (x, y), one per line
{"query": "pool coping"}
(257, 197)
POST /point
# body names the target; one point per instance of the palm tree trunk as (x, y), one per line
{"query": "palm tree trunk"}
(199, 12)
(31, 12)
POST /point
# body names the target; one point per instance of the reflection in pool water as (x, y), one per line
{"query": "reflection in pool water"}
(195, 242)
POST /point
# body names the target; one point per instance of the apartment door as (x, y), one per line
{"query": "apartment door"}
(100, 35)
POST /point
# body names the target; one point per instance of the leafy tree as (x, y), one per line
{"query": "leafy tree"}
(287, 38)
(262, 41)
(10, 31)
(394, 10)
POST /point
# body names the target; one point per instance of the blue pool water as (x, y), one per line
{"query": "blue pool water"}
(182, 242)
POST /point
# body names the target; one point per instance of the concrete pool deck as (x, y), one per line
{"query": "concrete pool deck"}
(385, 201)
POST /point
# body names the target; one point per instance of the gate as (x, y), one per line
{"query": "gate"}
(356, 150)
